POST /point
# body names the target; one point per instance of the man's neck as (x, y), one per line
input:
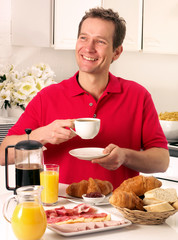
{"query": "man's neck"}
(93, 84)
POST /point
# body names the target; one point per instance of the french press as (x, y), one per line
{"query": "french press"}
(28, 162)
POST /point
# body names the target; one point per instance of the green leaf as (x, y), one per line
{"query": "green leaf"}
(7, 104)
(2, 78)
(21, 106)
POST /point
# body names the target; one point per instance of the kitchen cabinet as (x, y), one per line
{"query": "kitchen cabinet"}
(160, 27)
(32, 22)
(131, 11)
(151, 25)
(68, 14)
(45, 23)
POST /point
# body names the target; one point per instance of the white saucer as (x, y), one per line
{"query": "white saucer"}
(88, 153)
(80, 200)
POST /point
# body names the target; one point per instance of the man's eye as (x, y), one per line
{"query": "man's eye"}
(101, 42)
(82, 37)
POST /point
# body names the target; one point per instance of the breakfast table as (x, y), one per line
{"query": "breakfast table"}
(167, 230)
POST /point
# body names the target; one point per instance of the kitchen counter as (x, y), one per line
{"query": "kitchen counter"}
(168, 230)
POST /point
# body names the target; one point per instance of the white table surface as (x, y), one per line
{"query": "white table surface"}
(168, 230)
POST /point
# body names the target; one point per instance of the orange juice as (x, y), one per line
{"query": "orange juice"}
(49, 180)
(29, 221)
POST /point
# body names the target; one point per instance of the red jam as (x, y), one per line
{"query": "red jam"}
(94, 195)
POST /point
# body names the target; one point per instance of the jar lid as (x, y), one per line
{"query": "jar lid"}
(28, 145)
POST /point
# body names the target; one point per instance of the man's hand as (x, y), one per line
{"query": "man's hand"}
(55, 133)
(151, 160)
(112, 161)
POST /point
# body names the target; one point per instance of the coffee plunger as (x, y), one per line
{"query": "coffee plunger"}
(28, 162)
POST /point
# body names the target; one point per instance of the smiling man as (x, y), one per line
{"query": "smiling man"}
(130, 130)
(94, 54)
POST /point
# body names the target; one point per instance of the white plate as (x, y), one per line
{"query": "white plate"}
(80, 200)
(113, 217)
(87, 153)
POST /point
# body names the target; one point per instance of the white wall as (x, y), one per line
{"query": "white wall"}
(157, 72)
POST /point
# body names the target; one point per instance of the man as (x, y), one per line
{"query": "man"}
(130, 131)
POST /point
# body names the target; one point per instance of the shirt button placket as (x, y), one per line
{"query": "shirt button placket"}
(91, 105)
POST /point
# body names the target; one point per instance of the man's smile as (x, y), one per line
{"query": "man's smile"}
(89, 58)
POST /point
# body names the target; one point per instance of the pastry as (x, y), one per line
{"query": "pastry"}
(139, 184)
(92, 185)
(105, 186)
(77, 189)
(126, 200)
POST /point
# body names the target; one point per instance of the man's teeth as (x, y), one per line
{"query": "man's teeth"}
(89, 59)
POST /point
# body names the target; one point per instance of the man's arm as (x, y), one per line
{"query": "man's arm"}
(54, 133)
(147, 161)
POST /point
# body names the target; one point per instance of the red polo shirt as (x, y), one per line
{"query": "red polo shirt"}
(128, 119)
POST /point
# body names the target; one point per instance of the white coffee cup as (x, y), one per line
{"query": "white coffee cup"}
(87, 128)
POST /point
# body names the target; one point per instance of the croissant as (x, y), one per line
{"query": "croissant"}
(128, 200)
(105, 186)
(77, 189)
(92, 185)
(139, 184)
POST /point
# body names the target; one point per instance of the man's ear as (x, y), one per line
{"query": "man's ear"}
(117, 53)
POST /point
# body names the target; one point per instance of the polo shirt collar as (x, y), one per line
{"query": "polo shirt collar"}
(114, 85)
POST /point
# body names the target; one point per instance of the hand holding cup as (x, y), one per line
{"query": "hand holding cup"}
(86, 128)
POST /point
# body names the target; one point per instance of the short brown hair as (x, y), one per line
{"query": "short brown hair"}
(108, 15)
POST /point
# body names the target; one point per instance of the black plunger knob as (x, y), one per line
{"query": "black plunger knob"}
(28, 131)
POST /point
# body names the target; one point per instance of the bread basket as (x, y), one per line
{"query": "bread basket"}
(147, 218)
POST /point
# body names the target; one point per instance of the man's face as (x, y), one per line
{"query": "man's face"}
(94, 48)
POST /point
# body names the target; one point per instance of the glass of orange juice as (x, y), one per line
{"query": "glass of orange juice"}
(49, 179)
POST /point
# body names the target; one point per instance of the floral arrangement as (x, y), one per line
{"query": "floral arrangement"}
(18, 88)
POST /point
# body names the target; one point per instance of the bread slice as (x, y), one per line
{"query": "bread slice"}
(149, 201)
(159, 207)
(163, 195)
(175, 204)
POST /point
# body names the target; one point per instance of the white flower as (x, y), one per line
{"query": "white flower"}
(5, 94)
(6, 69)
(19, 88)
(14, 76)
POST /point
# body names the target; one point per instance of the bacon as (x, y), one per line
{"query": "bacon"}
(51, 213)
(62, 211)
(83, 207)
(57, 219)
(63, 214)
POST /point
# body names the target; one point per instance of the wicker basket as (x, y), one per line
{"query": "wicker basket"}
(142, 217)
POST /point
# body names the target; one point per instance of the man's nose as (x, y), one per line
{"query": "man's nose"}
(90, 46)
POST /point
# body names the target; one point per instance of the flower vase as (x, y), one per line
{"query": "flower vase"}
(3, 113)
(15, 112)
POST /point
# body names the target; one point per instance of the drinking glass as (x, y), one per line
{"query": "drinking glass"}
(49, 179)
